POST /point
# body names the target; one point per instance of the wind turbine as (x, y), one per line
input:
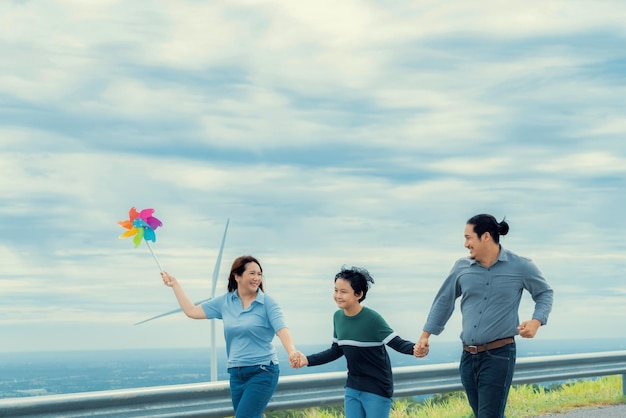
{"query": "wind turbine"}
(216, 272)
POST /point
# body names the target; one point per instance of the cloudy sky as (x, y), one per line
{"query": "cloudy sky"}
(329, 133)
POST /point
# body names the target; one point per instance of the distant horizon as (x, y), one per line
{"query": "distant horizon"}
(434, 342)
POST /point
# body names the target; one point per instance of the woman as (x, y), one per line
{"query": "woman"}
(360, 334)
(251, 319)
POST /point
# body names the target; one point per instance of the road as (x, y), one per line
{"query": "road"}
(615, 411)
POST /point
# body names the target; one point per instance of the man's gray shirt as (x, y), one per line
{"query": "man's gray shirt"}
(490, 297)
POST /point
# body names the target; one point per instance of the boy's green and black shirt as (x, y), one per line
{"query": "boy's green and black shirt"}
(362, 339)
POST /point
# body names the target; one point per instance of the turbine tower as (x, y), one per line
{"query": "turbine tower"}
(216, 271)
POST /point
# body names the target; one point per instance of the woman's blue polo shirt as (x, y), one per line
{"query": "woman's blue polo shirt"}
(248, 332)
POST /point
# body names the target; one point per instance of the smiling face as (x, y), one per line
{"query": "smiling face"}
(345, 297)
(250, 280)
(477, 246)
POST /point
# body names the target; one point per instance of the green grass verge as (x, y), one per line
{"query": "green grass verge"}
(524, 401)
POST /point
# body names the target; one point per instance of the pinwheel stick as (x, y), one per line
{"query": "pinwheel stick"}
(154, 255)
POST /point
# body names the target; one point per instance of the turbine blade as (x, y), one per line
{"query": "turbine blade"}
(168, 313)
(216, 270)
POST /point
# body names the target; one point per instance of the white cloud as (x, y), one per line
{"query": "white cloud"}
(589, 163)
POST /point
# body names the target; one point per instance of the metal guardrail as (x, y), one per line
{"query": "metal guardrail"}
(297, 391)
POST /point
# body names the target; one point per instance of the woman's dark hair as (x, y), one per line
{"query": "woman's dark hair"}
(359, 278)
(487, 223)
(238, 267)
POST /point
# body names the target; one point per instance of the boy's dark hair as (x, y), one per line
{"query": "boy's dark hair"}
(359, 278)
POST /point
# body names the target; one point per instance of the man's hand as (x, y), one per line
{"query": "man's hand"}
(528, 329)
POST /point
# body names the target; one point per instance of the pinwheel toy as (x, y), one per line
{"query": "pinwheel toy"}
(141, 225)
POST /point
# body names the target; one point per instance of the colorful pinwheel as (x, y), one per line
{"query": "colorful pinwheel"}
(141, 225)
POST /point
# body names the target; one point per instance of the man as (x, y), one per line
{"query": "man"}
(490, 283)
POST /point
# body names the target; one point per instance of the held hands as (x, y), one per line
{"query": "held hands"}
(421, 348)
(528, 329)
(297, 360)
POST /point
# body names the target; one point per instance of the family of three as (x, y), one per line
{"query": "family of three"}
(490, 282)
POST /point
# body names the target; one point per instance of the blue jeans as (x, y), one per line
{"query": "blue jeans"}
(360, 404)
(251, 389)
(487, 378)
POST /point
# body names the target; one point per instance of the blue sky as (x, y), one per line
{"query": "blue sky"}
(359, 133)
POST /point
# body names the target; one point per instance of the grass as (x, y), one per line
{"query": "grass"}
(524, 401)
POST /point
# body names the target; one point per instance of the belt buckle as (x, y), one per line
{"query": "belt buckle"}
(472, 349)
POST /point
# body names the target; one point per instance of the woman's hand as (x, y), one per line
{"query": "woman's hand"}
(167, 279)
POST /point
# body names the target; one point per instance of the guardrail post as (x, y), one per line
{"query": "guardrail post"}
(624, 384)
